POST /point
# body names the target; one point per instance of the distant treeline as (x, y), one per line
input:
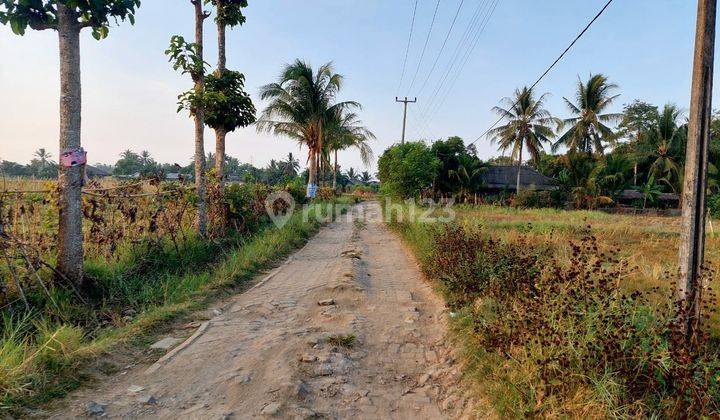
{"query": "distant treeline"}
(132, 164)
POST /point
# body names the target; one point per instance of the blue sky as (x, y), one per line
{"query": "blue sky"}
(129, 89)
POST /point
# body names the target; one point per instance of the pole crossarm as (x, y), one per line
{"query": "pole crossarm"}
(405, 103)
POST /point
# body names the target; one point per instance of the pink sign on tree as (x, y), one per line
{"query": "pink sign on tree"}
(73, 157)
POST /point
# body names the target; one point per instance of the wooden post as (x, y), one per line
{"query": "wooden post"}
(692, 246)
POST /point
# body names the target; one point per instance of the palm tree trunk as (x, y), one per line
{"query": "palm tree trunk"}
(335, 172)
(201, 222)
(321, 171)
(312, 174)
(517, 187)
(70, 237)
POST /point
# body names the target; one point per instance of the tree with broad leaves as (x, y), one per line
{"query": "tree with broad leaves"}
(188, 58)
(68, 18)
(227, 105)
(662, 146)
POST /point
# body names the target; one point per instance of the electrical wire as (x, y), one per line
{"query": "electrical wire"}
(407, 49)
(442, 48)
(462, 52)
(557, 60)
(427, 39)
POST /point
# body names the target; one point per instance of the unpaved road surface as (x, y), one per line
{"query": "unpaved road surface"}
(276, 351)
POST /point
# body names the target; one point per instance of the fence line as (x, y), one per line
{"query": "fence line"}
(95, 191)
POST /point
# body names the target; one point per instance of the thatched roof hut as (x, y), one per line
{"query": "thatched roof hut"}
(504, 177)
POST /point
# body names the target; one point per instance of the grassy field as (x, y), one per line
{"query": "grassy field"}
(568, 314)
(649, 244)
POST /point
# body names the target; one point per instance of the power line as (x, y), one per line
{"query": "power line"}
(427, 39)
(407, 49)
(442, 48)
(474, 25)
(557, 60)
(465, 59)
(461, 55)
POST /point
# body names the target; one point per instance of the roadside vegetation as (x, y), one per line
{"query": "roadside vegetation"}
(571, 313)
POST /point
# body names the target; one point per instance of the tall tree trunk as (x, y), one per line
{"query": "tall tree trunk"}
(323, 171)
(517, 187)
(220, 155)
(220, 4)
(335, 172)
(70, 237)
(313, 161)
(312, 173)
(201, 221)
(635, 174)
(220, 133)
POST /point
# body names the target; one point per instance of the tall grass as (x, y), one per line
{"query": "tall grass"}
(551, 324)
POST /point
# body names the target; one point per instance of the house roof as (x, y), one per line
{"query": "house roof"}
(93, 172)
(505, 177)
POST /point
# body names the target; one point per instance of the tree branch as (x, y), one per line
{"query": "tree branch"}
(41, 26)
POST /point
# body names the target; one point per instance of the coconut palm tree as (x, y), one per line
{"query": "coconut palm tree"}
(662, 146)
(291, 166)
(611, 175)
(468, 175)
(300, 103)
(365, 177)
(528, 126)
(43, 155)
(351, 174)
(588, 130)
(345, 130)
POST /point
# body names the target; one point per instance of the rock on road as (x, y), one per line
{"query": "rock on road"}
(345, 328)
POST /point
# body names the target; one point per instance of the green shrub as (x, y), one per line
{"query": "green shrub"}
(532, 199)
(297, 189)
(714, 204)
(246, 206)
(326, 194)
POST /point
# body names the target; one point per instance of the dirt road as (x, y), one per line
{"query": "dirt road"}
(346, 328)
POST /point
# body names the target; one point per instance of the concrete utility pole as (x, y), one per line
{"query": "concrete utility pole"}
(692, 247)
(405, 102)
